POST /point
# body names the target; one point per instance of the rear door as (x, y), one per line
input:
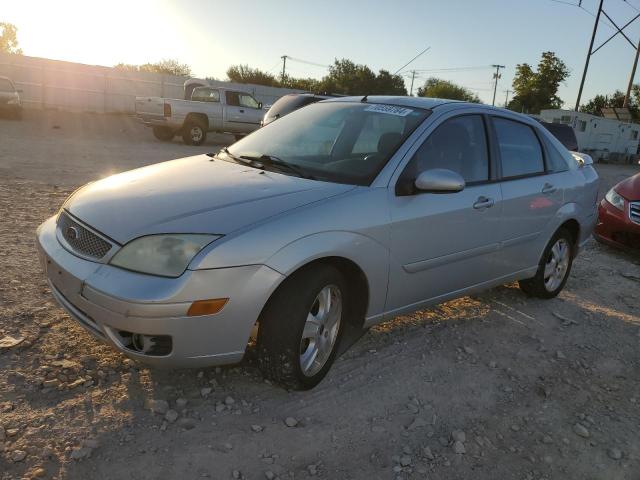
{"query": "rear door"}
(532, 193)
(445, 242)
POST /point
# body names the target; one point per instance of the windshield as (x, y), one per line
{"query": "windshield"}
(342, 142)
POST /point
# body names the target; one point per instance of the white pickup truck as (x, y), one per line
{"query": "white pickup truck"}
(211, 109)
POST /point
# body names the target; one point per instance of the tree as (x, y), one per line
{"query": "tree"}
(168, 67)
(9, 38)
(438, 88)
(538, 90)
(306, 84)
(615, 100)
(387, 84)
(349, 78)
(246, 74)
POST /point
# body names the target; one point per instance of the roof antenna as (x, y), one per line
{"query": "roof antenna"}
(364, 99)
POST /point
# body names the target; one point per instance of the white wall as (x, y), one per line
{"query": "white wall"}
(78, 87)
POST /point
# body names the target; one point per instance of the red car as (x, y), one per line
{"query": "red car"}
(619, 215)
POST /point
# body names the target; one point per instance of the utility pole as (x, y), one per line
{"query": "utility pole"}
(413, 76)
(633, 74)
(506, 100)
(495, 86)
(284, 66)
(586, 63)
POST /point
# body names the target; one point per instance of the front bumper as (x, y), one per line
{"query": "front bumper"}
(615, 228)
(107, 301)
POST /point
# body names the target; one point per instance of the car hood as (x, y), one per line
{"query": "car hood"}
(191, 195)
(630, 188)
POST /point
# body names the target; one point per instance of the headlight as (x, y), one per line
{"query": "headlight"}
(614, 199)
(164, 255)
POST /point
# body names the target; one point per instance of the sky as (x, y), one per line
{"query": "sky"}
(465, 36)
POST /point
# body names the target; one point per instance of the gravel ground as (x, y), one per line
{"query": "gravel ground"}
(493, 386)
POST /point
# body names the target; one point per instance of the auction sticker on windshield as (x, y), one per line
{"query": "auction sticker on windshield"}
(389, 110)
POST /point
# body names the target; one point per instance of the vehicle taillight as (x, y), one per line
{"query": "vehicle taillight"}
(167, 110)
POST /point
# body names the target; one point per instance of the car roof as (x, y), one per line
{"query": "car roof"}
(415, 102)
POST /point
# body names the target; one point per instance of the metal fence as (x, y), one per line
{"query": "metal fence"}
(71, 86)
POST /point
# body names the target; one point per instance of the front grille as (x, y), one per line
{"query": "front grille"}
(634, 212)
(81, 239)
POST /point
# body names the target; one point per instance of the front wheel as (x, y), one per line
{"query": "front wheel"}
(301, 327)
(194, 133)
(554, 268)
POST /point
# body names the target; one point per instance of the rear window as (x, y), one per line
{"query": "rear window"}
(6, 85)
(520, 150)
(205, 94)
(288, 104)
(565, 134)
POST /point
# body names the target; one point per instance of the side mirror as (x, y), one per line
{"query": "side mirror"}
(259, 105)
(439, 180)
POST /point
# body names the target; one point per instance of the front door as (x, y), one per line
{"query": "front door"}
(442, 243)
(240, 116)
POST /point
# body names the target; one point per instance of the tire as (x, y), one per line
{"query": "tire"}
(287, 340)
(561, 247)
(164, 134)
(194, 133)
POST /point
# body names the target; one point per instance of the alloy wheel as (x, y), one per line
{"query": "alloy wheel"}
(557, 264)
(320, 330)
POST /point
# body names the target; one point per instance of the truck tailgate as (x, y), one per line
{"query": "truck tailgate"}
(152, 106)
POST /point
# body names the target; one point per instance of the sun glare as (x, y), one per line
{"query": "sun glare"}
(101, 33)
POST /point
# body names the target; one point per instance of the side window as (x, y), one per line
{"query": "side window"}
(459, 144)
(205, 94)
(233, 99)
(556, 162)
(520, 150)
(247, 101)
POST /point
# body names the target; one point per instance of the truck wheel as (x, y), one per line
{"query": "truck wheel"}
(301, 326)
(554, 268)
(163, 133)
(194, 133)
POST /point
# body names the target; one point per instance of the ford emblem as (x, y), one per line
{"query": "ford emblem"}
(71, 233)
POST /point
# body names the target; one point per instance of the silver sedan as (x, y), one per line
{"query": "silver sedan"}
(342, 214)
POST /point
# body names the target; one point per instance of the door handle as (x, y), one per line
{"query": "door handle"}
(241, 111)
(548, 188)
(483, 202)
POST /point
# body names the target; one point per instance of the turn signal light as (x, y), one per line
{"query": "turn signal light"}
(207, 307)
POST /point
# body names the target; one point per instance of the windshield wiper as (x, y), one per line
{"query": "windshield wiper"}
(262, 161)
(271, 160)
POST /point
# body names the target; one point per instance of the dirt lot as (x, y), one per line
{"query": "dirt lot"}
(530, 389)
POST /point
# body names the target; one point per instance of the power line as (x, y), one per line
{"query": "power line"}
(632, 6)
(414, 58)
(307, 62)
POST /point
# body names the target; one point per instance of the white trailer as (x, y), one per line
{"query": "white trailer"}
(602, 138)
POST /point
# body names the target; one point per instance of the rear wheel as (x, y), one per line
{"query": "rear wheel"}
(194, 133)
(554, 268)
(301, 327)
(163, 133)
